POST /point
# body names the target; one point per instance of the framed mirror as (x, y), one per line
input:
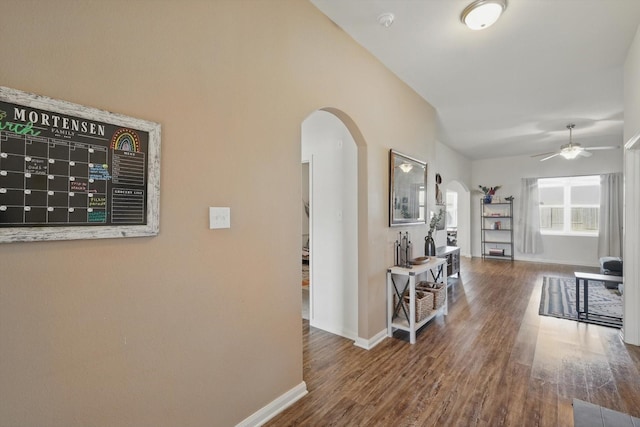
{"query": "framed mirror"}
(407, 190)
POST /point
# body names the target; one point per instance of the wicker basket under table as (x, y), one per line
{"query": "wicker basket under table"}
(424, 304)
(438, 290)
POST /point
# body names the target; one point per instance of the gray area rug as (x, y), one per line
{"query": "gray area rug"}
(559, 298)
(586, 414)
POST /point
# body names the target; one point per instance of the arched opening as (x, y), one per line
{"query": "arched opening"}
(458, 199)
(332, 157)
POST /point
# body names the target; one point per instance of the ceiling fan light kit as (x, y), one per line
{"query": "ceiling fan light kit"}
(571, 150)
(482, 14)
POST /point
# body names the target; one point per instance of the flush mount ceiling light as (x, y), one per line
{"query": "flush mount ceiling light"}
(406, 167)
(482, 14)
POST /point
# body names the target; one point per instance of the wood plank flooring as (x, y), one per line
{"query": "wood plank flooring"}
(493, 361)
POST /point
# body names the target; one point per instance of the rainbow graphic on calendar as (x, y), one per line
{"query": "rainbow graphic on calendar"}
(125, 140)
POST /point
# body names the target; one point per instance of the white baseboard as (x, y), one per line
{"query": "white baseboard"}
(371, 342)
(555, 261)
(263, 415)
(548, 261)
(335, 331)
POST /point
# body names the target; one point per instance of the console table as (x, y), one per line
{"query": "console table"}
(407, 282)
(452, 255)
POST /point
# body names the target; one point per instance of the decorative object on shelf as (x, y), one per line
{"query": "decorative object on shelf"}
(429, 246)
(429, 243)
(509, 199)
(488, 192)
(403, 250)
(420, 260)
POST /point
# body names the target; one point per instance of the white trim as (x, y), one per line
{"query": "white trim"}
(631, 326)
(263, 415)
(553, 261)
(633, 143)
(368, 344)
(335, 331)
(312, 250)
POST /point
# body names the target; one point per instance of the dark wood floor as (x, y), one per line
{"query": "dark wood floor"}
(492, 361)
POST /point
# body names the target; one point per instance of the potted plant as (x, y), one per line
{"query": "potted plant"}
(488, 192)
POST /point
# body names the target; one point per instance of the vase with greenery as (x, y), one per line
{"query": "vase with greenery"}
(429, 243)
(488, 192)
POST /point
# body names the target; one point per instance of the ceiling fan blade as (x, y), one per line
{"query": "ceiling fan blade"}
(549, 157)
(544, 154)
(607, 147)
(585, 153)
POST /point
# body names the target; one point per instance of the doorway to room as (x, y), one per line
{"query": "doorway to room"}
(452, 217)
(330, 154)
(458, 199)
(306, 211)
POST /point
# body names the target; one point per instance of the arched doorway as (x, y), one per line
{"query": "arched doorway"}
(462, 213)
(331, 153)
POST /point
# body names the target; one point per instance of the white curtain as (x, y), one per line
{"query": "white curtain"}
(529, 237)
(610, 235)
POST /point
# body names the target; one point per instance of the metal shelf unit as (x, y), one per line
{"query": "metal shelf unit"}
(496, 228)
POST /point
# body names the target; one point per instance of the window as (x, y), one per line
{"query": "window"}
(569, 205)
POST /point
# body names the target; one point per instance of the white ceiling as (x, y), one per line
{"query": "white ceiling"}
(512, 88)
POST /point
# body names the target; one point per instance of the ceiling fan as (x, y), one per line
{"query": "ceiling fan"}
(572, 150)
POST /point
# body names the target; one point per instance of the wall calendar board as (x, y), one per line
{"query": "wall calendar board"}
(74, 172)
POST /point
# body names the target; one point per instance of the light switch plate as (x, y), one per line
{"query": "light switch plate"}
(219, 218)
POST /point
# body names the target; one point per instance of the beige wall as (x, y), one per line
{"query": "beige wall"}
(194, 326)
